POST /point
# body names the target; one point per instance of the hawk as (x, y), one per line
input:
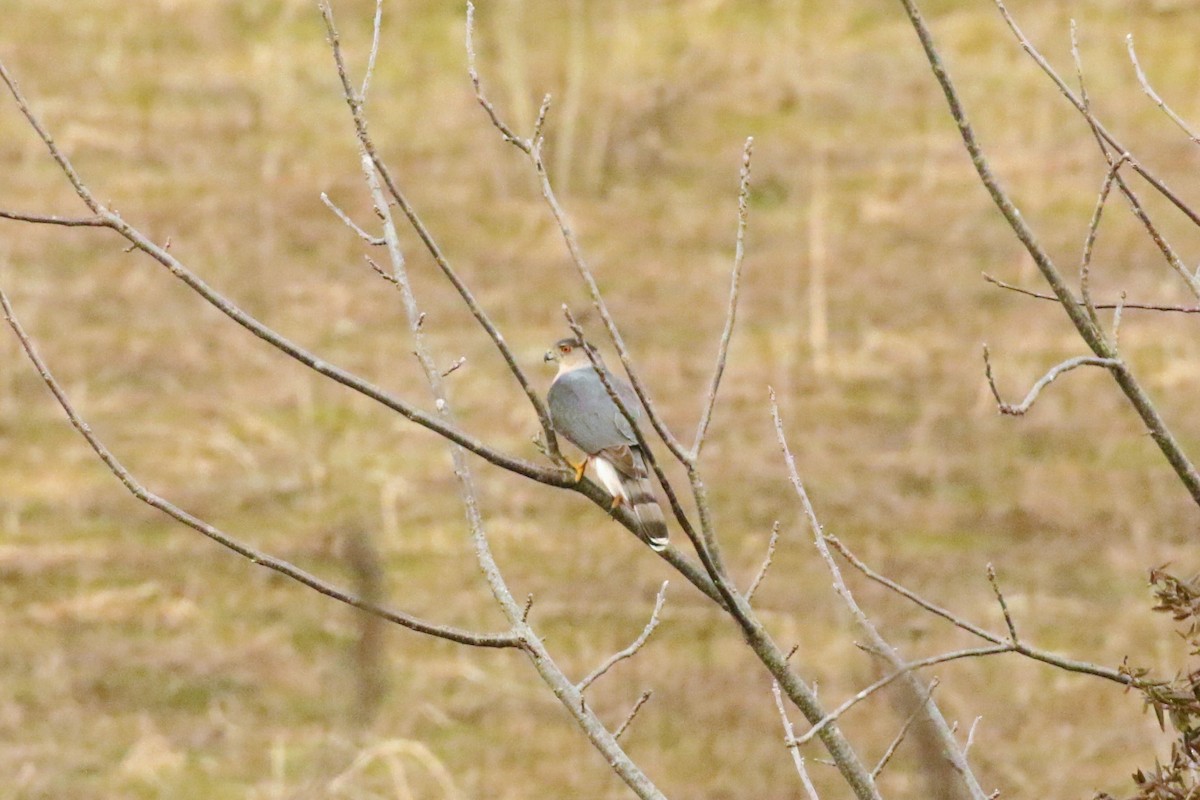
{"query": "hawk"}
(583, 413)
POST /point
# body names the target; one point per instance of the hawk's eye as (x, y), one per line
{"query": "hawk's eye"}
(564, 348)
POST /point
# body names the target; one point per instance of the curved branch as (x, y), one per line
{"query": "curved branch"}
(632, 649)
(1045, 656)
(1080, 106)
(246, 551)
(1153, 95)
(1071, 363)
(1090, 333)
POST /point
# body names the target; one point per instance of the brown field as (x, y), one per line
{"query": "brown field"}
(138, 659)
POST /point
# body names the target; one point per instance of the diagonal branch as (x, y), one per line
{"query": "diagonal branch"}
(569, 695)
(887, 680)
(246, 551)
(1089, 242)
(789, 738)
(1135, 204)
(1045, 656)
(1071, 363)
(632, 649)
(532, 148)
(1093, 336)
(355, 102)
(1041, 61)
(1153, 95)
(641, 701)
(766, 565)
(891, 750)
(374, 241)
(912, 684)
(730, 315)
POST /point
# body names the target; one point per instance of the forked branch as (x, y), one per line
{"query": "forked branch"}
(138, 490)
(1071, 363)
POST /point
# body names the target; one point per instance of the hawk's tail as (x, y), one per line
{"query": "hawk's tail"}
(639, 491)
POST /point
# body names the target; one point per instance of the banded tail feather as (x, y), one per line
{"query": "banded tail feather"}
(624, 473)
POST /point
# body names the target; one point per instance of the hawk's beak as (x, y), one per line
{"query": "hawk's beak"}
(550, 356)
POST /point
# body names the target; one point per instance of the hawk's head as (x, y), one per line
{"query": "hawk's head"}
(569, 353)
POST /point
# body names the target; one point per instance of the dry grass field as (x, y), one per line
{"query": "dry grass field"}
(138, 659)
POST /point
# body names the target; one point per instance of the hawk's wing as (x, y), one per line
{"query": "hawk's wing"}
(582, 411)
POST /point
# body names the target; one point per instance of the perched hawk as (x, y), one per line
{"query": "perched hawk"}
(586, 416)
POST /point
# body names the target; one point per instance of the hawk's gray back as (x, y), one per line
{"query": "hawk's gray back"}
(582, 411)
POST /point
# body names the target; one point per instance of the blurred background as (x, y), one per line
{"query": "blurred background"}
(138, 659)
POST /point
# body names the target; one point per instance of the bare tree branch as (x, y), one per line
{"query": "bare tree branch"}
(1008, 620)
(533, 150)
(1089, 241)
(887, 680)
(891, 750)
(911, 682)
(971, 735)
(1139, 306)
(1135, 204)
(1041, 61)
(730, 315)
(138, 490)
(1092, 335)
(632, 649)
(789, 739)
(1045, 656)
(641, 701)
(376, 28)
(1066, 366)
(51, 219)
(569, 695)
(374, 241)
(1153, 95)
(766, 565)
(355, 102)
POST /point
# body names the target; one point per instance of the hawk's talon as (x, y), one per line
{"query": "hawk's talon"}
(579, 468)
(616, 503)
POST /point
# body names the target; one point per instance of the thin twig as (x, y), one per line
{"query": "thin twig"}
(1085, 260)
(904, 669)
(1008, 620)
(971, 735)
(1131, 196)
(1153, 95)
(533, 150)
(1071, 363)
(633, 648)
(911, 682)
(1139, 306)
(1045, 656)
(641, 701)
(1094, 337)
(789, 738)
(376, 26)
(458, 363)
(1118, 309)
(539, 657)
(354, 101)
(891, 750)
(739, 251)
(1041, 61)
(374, 241)
(766, 565)
(256, 556)
(51, 219)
